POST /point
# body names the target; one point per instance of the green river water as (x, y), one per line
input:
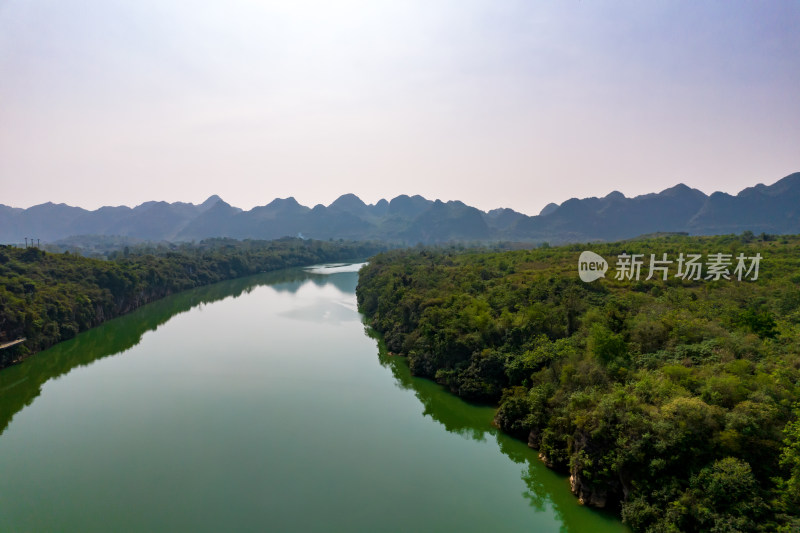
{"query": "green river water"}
(258, 404)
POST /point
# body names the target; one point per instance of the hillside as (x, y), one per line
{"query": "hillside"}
(413, 219)
(46, 298)
(673, 401)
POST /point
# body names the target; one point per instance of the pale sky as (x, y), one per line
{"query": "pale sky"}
(495, 103)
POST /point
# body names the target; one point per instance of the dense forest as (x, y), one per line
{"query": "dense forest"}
(673, 401)
(46, 298)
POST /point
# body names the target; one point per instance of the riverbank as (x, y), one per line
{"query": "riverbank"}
(644, 392)
(293, 420)
(48, 298)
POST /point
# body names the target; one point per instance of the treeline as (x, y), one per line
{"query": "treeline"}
(46, 298)
(673, 401)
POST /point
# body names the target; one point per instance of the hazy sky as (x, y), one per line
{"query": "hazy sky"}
(496, 103)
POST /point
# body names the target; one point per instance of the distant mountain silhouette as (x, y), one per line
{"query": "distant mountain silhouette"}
(503, 218)
(411, 219)
(614, 217)
(768, 209)
(455, 220)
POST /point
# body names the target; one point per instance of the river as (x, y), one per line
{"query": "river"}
(259, 404)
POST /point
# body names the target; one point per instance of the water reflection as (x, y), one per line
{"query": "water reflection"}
(22, 383)
(544, 487)
(445, 408)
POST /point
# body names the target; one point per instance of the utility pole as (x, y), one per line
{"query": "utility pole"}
(26, 242)
(37, 243)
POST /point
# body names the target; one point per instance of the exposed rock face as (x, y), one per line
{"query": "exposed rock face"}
(533, 439)
(587, 495)
(546, 460)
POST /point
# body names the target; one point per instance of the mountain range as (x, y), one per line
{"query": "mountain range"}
(411, 219)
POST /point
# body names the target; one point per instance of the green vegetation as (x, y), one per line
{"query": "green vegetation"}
(675, 402)
(46, 298)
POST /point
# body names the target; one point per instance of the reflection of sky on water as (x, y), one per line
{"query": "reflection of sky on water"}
(310, 298)
(335, 303)
(335, 268)
(342, 277)
(21, 384)
(324, 310)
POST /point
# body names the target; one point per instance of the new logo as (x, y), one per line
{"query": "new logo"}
(591, 266)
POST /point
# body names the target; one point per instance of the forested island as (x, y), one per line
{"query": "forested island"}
(46, 298)
(673, 401)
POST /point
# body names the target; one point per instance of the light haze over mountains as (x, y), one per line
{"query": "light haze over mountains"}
(414, 219)
(518, 103)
